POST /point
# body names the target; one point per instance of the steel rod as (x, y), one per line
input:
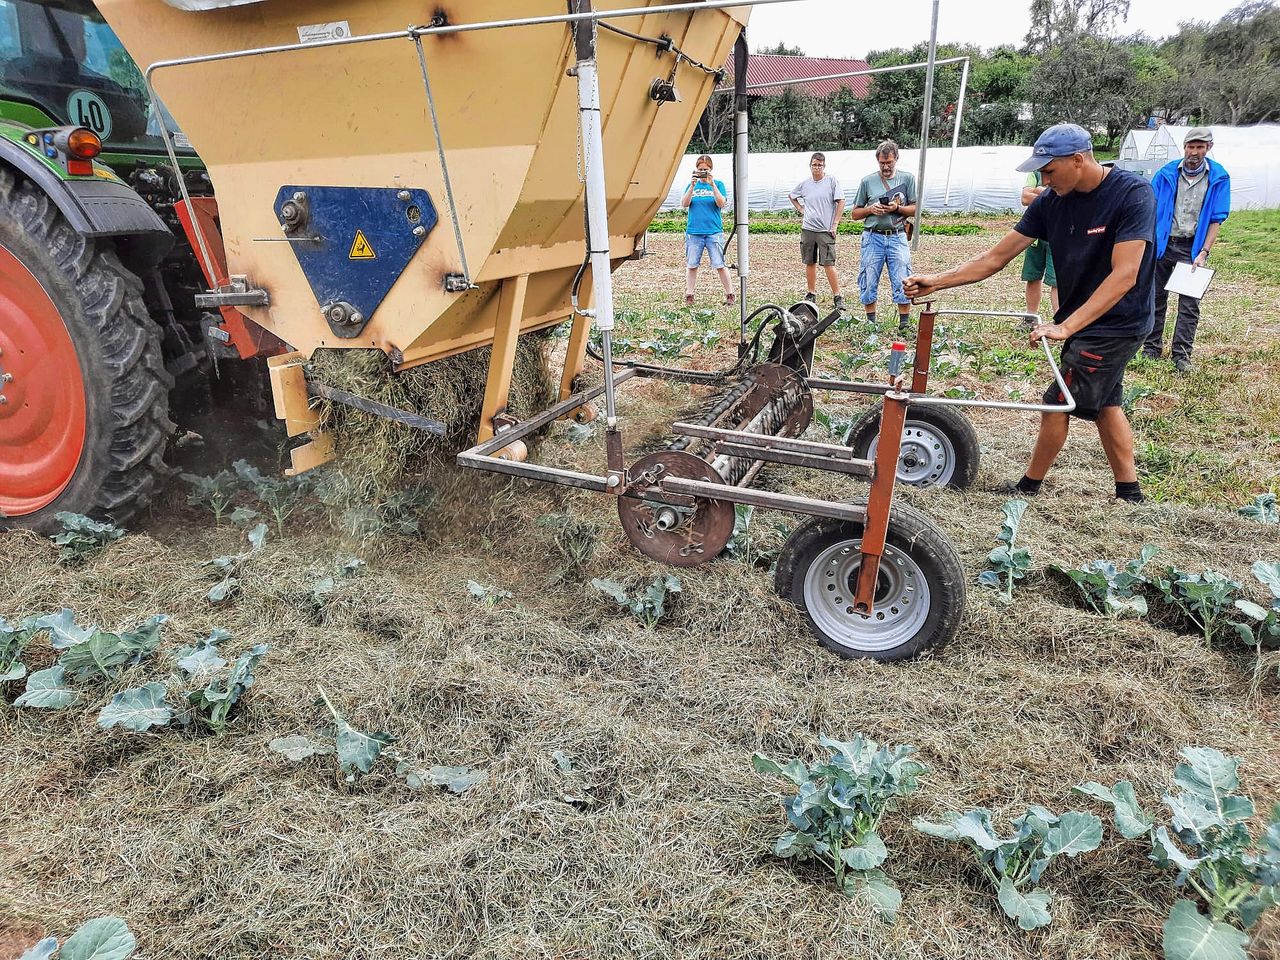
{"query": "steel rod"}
(747, 451)
(955, 134)
(444, 164)
(924, 125)
(794, 81)
(764, 499)
(763, 440)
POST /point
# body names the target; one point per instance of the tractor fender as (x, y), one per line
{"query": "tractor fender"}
(98, 208)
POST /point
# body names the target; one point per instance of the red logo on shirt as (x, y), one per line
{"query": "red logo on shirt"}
(1092, 230)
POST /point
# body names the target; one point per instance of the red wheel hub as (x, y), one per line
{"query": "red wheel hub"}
(42, 414)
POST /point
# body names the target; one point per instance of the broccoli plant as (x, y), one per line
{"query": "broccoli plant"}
(103, 938)
(1263, 632)
(214, 493)
(138, 709)
(280, 496)
(1007, 561)
(211, 706)
(81, 537)
(1264, 509)
(357, 752)
(13, 643)
(1110, 590)
(229, 567)
(1207, 841)
(1015, 865)
(487, 593)
(649, 605)
(104, 656)
(1206, 599)
(835, 815)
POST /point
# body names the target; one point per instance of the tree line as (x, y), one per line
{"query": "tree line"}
(1073, 66)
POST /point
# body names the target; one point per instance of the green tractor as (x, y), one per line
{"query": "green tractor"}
(98, 323)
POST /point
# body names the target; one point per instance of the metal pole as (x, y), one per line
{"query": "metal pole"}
(584, 33)
(842, 76)
(955, 134)
(924, 126)
(741, 193)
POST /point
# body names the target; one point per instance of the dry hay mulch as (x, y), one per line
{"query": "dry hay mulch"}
(655, 842)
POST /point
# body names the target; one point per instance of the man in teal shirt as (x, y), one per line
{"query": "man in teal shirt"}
(886, 200)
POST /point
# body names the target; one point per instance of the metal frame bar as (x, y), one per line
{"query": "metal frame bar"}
(762, 440)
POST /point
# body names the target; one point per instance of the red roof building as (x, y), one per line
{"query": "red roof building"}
(768, 68)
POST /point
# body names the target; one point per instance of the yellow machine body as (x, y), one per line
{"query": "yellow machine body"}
(357, 116)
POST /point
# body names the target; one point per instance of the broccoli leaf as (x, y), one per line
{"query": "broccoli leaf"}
(1030, 910)
(103, 938)
(1189, 935)
(1131, 820)
(138, 709)
(47, 690)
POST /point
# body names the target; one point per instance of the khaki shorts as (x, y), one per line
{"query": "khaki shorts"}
(817, 246)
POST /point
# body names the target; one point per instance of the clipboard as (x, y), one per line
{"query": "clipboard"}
(1187, 282)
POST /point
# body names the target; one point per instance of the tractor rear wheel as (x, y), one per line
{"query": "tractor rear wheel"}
(84, 395)
(920, 591)
(939, 446)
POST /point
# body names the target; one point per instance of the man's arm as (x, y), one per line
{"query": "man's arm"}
(1210, 239)
(979, 268)
(835, 221)
(1126, 260)
(1029, 194)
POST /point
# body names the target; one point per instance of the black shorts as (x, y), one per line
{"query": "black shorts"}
(1093, 369)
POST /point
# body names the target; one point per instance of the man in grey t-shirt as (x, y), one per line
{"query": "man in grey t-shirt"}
(820, 201)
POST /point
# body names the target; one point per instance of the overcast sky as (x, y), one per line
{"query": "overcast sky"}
(837, 28)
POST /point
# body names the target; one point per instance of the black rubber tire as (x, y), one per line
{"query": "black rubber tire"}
(919, 545)
(947, 421)
(118, 345)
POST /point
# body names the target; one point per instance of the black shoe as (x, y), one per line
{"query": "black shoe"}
(838, 303)
(1182, 365)
(1150, 355)
(810, 298)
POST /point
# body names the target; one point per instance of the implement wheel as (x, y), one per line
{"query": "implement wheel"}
(84, 418)
(920, 591)
(939, 446)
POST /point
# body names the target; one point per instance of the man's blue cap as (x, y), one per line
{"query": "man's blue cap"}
(1060, 140)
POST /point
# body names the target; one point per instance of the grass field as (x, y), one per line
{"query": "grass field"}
(621, 816)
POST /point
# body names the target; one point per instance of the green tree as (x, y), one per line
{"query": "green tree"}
(792, 121)
(895, 101)
(782, 50)
(1055, 21)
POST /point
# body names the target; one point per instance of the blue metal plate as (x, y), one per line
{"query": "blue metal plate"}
(356, 241)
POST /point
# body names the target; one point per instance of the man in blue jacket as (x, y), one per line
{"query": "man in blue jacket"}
(1193, 197)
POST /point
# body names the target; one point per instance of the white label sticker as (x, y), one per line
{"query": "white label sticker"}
(87, 109)
(316, 32)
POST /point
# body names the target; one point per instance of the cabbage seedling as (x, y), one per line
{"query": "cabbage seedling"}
(1007, 561)
(835, 815)
(1110, 590)
(1015, 866)
(1207, 840)
(81, 537)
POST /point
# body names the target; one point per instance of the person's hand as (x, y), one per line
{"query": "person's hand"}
(1048, 331)
(879, 209)
(1201, 259)
(832, 231)
(920, 285)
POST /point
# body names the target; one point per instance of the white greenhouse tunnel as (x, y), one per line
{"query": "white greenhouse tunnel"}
(986, 180)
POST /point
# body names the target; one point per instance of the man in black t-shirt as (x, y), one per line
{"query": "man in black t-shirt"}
(1100, 226)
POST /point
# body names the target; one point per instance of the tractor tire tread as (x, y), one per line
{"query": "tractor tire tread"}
(130, 343)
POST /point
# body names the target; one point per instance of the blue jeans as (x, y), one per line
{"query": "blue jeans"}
(877, 250)
(695, 243)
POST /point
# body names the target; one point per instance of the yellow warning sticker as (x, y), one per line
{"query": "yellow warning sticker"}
(360, 249)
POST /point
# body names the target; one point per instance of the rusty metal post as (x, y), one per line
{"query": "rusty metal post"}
(924, 349)
(893, 415)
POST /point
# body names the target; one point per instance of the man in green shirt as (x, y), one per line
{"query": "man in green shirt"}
(1037, 265)
(886, 200)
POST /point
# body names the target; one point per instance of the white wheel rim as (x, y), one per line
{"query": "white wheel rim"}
(927, 457)
(900, 609)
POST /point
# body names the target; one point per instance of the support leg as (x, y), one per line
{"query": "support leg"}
(498, 387)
